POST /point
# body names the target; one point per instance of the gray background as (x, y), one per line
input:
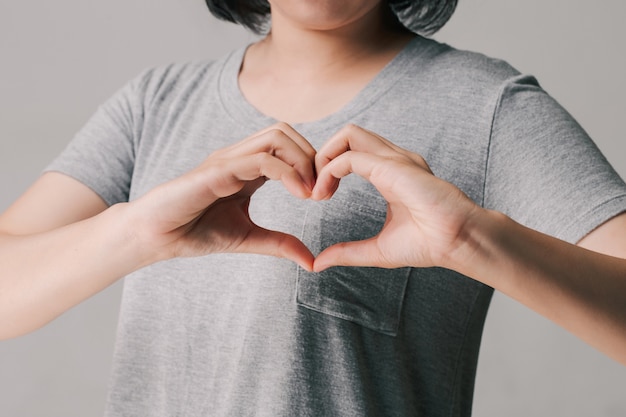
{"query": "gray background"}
(59, 60)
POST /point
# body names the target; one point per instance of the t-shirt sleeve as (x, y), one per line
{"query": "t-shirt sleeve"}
(102, 154)
(543, 170)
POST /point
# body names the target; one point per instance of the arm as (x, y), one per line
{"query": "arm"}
(49, 245)
(582, 290)
(432, 223)
(59, 244)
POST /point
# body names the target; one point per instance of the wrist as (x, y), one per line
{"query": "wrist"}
(133, 240)
(477, 243)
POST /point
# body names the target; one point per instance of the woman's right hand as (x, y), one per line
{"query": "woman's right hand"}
(206, 210)
(60, 243)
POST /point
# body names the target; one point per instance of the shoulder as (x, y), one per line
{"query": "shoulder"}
(163, 82)
(464, 72)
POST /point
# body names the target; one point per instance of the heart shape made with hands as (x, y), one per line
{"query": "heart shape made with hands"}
(317, 177)
(352, 213)
(392, 170)
(418, 218)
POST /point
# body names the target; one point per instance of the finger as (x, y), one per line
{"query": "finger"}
(293, 134)
(217, 179)
(360, 163)
(282, 141)
(359, 253)
(356, 138)
(269, 242)
(386, 172)
(352, 137)
(285, 129)
(227, 177)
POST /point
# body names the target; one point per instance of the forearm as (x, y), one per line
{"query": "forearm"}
(204, 211)
(43, 275)
(581, 290)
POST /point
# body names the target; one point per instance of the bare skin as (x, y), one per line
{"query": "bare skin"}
(59, 221)
(326, 60)
(77, 247)
(432, 223)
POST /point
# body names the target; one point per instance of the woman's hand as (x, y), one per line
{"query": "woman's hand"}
(432, 223)
(426, 216)
(206, 210)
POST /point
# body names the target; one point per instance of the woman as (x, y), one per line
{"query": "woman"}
(232, 334)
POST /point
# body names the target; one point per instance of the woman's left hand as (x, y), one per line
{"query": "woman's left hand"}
(426, 216)
(430, 222)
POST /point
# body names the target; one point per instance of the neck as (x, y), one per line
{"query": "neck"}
(304, 50)
(310, 66)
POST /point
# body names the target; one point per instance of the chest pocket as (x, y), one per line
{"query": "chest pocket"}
(370, 297)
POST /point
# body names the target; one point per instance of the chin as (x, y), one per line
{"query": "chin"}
(323, 15)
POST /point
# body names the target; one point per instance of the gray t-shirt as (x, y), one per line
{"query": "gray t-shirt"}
(240, 335)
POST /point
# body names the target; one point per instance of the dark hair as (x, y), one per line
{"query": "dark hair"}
(420, 16)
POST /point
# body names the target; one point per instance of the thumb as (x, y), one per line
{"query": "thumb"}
(358, 253)
(282, 245)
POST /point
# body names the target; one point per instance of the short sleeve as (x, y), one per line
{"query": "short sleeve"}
(543, 170)
(102, 154)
